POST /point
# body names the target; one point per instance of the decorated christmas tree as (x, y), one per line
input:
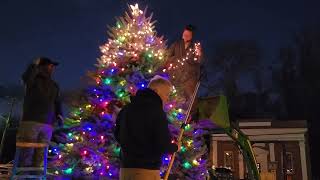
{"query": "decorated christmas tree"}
(131, 57)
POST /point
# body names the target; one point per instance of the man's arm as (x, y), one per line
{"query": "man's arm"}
(199, 56)
(171, 54)
(58, 107)
(30, 73)
(162, 134)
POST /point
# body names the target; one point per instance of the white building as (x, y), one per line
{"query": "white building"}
(280, 147)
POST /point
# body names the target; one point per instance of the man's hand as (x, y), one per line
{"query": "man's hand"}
(198, 50)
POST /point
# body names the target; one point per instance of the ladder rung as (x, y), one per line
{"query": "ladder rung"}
(30, 145)
(29, 176)
(4, 175)
(30, 169)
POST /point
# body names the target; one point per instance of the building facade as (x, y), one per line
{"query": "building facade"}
(280, 148)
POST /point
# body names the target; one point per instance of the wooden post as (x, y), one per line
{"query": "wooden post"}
(182, 129)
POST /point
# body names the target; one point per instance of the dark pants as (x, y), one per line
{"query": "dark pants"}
(30, 131)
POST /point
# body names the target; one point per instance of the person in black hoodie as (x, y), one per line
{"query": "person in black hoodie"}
(41, 109)
(143, 134)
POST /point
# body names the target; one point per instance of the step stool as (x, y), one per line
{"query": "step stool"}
(17, 169)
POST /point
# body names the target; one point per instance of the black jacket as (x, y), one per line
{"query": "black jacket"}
(41, 100)
(142, 131)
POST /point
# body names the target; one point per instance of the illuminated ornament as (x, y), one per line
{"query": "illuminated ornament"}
(101, 137)
(107, 81)
(150, 39)
(89, 129)
(69, 145)
(56, 172)
(98, 81)
(68, 171)
(187, 127)
(69, 134)
(89, 169)
(166, 159)
(187, 165)
(150, 71)
(123, 82)
(195, 162)
(104, 104)
(142, 85)
(150, 55)
(183, 149)
(120, 93)
(119, 25)
(135, 10)
(189, 142)
(122, 39)
(117, 150)
(88, 106)
(60, 156)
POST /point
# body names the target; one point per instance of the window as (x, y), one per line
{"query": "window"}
(228, 159)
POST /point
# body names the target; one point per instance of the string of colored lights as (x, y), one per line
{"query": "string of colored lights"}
(193, 54)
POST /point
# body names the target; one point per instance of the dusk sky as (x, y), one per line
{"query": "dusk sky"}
(71, 31)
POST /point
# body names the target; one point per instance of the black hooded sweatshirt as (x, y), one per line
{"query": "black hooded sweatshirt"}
(142, 131)
(42, 102)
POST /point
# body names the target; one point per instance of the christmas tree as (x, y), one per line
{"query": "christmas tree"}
(131, 57)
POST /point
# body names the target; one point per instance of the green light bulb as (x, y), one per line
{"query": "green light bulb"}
(174, 114)
(183, 149)
(121, 39)
(107, 81)
(68, 171)
(121, 94)
(118, 25)
(187, 127)
(187, 165)
(117, 150)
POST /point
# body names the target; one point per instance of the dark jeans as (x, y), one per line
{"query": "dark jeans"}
(30, 131)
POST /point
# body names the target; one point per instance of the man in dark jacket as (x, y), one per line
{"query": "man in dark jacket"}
(142, 131)
(41, 109)
(186, 76)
